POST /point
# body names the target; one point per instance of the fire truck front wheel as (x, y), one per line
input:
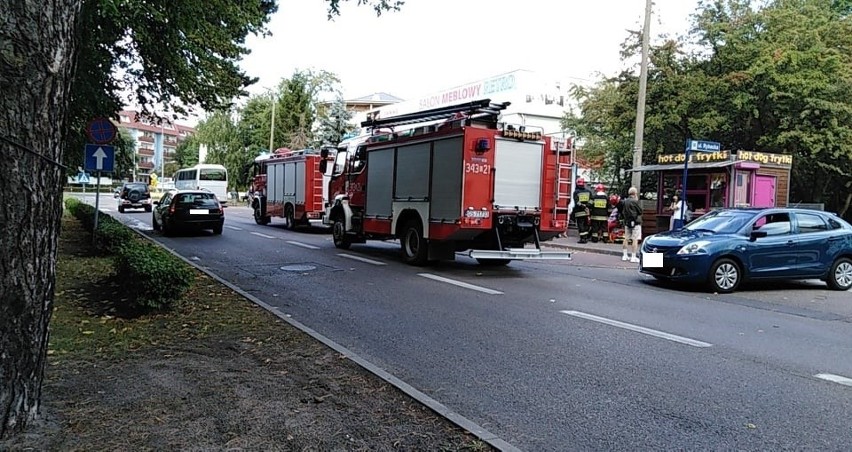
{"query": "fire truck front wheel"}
(338, 234)
(414, 247)
(259, 218)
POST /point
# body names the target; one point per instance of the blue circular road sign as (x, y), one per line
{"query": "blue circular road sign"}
(101, 131)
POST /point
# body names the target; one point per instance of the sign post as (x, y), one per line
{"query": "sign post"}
(98, 156)
(695, 146)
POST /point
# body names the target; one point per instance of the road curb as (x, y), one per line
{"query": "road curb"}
(587, 249)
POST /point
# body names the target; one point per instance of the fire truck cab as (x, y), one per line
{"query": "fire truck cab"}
(449, 180)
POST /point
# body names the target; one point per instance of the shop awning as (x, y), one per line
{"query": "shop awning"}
(679, 166)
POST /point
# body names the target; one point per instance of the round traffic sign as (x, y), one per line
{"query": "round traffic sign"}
(101, 131)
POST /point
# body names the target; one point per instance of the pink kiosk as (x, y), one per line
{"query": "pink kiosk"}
(716, 180)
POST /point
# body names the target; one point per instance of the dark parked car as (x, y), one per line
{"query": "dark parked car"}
(134, 195)
(188, 209)
(726, 247)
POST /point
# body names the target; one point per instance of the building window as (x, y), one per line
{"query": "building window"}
(125, 118)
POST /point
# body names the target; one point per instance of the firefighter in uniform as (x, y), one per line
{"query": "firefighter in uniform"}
(582, 199)
(599, 211)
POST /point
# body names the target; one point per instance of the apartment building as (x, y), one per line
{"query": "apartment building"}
(155, 143)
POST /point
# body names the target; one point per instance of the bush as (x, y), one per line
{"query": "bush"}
(153, 275)
(111, 234)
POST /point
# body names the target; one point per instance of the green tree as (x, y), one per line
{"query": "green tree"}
(186, 152)
(333, 124)
(62, 63)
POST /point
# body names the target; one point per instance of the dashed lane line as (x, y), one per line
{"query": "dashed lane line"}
(835, 379)
(303, 245)
(639, 329)
(460, 284)
(362, 259)
(263, 235)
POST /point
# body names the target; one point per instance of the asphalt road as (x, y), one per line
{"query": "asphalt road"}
(580, 355)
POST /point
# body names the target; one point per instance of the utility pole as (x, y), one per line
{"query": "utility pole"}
(272, 128)
(636, 179)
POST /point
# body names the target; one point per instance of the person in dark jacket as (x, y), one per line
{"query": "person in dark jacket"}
(582, 198)
(631, 213)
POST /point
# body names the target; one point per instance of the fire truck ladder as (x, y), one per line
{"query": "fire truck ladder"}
(563, 181)
(480, 109)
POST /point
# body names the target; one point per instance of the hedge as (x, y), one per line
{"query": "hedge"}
(153, 276)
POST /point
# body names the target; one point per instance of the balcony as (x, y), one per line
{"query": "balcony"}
(146, 151)
(145, 139)
(145, 165)
(171, 141)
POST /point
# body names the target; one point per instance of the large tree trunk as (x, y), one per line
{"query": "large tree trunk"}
(37, 58)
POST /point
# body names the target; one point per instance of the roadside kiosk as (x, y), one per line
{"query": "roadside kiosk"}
(716, 180)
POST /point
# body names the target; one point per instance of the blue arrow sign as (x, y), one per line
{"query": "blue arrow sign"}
(99, 157)
(704, 146)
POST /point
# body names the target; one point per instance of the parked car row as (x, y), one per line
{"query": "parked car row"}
(726, 247)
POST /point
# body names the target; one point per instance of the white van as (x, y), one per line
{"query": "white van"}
(204, 177)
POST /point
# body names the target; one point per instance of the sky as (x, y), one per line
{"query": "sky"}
(431, 45)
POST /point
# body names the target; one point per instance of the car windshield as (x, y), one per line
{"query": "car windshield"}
(139, 187)
(204, 200)
(721, 222)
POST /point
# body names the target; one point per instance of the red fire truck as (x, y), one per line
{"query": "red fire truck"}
(454, 180)
(288, 184)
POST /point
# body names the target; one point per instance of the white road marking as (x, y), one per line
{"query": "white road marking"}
(304, 245)
(263, 235)
(835, 379)
(639, 329)
(362, 259)
(234, 228)
(460, 284)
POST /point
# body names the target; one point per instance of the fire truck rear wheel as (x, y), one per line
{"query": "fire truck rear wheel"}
(414, 248)
(338, 234)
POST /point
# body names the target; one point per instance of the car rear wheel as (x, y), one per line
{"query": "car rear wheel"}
(725, 276)
(154, 223)
(217, 229)
(840, 275)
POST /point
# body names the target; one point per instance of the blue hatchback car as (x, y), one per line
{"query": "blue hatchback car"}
(726, 247)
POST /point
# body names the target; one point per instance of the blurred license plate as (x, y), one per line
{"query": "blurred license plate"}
(652, 260)
(198, 211)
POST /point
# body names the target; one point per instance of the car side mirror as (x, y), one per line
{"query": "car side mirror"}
(156, 203)
(756, 235)
(323, 166)
(115, 195)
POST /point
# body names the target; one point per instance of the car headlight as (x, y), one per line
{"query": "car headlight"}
(699, 247)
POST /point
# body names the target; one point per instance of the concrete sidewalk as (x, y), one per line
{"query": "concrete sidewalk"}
(571, 243)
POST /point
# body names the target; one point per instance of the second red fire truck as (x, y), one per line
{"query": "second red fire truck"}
(454, 180)
(289, 185)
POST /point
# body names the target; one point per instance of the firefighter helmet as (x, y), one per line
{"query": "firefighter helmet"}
(614, 199)
(581, 182)
(599, 187)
